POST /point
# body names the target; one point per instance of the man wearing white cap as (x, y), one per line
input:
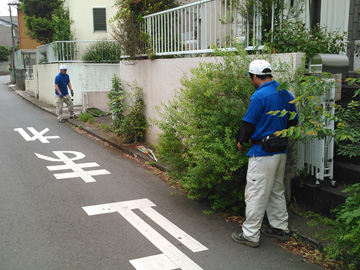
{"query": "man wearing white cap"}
(265, 190)
(62, 82)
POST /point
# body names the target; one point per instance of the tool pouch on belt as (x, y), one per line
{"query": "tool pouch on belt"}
(274, 143)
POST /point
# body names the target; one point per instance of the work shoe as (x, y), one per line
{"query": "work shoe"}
(275, 233)
(239, 238)
(62, 120)
(73, 116)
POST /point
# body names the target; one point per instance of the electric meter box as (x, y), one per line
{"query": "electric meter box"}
(332, 63)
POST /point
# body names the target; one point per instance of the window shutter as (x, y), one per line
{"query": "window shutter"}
(99, 17)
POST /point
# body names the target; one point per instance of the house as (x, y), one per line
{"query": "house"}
(5, 38)
(90, 19)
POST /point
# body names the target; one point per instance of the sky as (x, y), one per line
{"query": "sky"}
(4, 8)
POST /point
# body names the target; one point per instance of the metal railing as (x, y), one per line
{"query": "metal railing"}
(196, 27)
(79, 51)
(317, 155)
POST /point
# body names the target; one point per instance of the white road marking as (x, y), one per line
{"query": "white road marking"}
(77, 170)
(37, 135)
(174, 258)
(156, 262)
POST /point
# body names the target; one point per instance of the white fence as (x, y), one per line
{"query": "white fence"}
(196, 27)
(317, 156)
(79, 51)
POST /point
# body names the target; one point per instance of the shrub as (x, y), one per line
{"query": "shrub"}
(4, 53)
(117, 102)
(199, 128)
(104, 51)
(126, 111)
(314, 118)
(134, 125)
(290, 36)
(345, 236)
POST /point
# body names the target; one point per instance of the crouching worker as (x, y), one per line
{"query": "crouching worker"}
(265, 189)
(62, 82)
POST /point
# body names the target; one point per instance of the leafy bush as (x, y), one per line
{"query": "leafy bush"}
(314, 118)
(117, 102)
(199, 128)
(104, 51)
(4, 53)
(290, 36)
(126, 111)
(134, 124)
(345, 236)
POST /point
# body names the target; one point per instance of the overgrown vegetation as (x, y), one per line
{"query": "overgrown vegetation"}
(117, 102)
(289, 33)
(134, 123)
(87, 118)
(127, 117)
(129, 16)
(4, 53)
(293, 36)
(104, 51)
(314, 119)
(199, 128)
(46, 21)
(346, 235)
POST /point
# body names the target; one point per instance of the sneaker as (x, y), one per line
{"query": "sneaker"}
(239, 238)
(275, 233)
(73, 116)
(62, 120)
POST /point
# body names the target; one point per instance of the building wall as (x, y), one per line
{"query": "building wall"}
(82, 18)
(353, 48)
(25, 41)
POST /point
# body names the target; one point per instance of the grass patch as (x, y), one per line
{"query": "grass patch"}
(87, 118)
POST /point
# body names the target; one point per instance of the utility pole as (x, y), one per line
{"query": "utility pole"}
(13, 44)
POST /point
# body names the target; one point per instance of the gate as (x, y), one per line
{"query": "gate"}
(317, 155)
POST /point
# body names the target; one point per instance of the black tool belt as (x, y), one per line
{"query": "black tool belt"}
(272, 143)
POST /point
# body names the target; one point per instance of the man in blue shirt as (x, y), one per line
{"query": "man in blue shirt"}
(62, 82)
(265, 189)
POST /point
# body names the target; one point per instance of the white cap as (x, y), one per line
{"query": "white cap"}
(258, 66)
(63, 67)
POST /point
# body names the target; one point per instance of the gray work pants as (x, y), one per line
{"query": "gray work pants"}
(60, 103)
(265, 191)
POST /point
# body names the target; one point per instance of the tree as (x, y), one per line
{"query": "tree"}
(42, 19)
(128, 18)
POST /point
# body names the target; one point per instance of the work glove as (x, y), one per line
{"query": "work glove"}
(61, 95)
(72, 93)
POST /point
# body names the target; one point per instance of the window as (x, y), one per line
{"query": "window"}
(99, 19)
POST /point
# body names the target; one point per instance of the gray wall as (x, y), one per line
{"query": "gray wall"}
(354, 30)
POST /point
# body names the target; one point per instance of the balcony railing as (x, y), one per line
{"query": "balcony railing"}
(197, 27)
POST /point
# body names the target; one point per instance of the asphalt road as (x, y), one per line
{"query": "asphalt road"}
(72, 203)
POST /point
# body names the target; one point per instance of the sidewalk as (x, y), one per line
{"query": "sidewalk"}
(297, 224)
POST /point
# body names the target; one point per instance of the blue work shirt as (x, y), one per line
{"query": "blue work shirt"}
(62, 81)
(265, 99)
